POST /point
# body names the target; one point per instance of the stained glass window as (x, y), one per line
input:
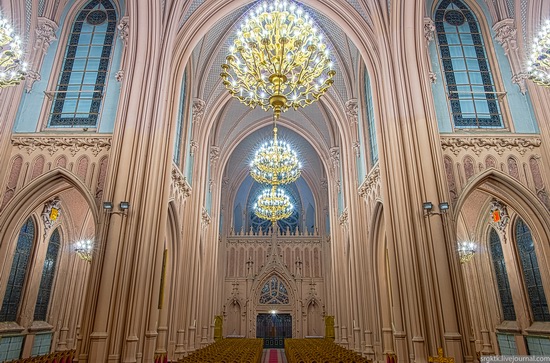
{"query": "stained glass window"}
(18, 273)
(179, 126)
(83, 77)
(48, 272)
(471, 91)
(499, 266)
(274, 292)
(531, 272)
(373, 143)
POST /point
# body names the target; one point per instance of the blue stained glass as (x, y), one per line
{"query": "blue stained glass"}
(274, 292)
(465, 63)
(92, 37)
(48, 272)
(373, 142)
(531, 272)
(18, 273)
(499, 266)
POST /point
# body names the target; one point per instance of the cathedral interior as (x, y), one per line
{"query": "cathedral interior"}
(129, 225)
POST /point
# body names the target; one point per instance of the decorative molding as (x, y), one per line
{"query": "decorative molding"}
(214, 154)
(344, 217)
(433, 77)
(205, 217)
(198, 111)
(54, 144)
(356, 149)
(505, 34)
(371, 180)
(352, 111)
(499, 144)
(50, 214)
(119, 76)
(429, 29)
(124, 29)
(193, 147)
(45, 33)
(499, 215)
(180, 182)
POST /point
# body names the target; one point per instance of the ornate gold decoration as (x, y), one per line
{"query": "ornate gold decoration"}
(12, 67)
(50, 213)
(273, 204)
(54, 144)
(180, 182)
(370, 182)
(499, 144)
(275, 163)
(278, 59)
(539, 63)
(466, 250)
(84, 249)
(440, 357)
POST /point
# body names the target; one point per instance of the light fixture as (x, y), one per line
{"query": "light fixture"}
(273, 204)
(278, 59)
(123, 206)
(539, 63)
(12, 68)
(428, 207)
(275, 163)
(84, 249)
(466, 250)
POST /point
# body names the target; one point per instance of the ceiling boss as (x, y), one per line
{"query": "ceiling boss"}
(278, 59)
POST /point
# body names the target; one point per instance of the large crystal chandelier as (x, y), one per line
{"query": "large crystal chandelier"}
(275, 163)
(273, 204)
(12, 68)
(539, 64)
(278, 59)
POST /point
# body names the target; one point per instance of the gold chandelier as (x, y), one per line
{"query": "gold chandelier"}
(539, 64)
(12, 69)
(278, 59)
(273, 204)
(466, 251)
(84, 249)
(275, 163)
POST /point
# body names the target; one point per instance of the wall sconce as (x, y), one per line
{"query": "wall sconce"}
(84, 249)
(428, 206)
(123, 206)
(466, 250)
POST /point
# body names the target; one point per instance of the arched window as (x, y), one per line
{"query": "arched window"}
(83, 77)
(274, 292)
(531, 272)
(467, 73)
(18, 273)
(48, 272)
(369, 114)
(499, 266)
(179, 125)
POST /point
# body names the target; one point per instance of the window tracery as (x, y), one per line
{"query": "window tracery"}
(274, 292)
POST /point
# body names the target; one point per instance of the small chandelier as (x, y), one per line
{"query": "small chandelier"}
(12, 69)
(275, 163)
(278, 59)
(466, 250)
(539, 64)
(84, 249)
(273, 204)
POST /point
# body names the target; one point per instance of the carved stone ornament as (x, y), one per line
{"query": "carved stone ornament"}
(45, 33)
(54, 144)
(180, 182)
(499, 215)
(119, 76)
(214, 154)
(50, 213)
(198, 111)
(498, 144)
(505, 34)
(193, 147)
(123, 29)
(370, 182)
(205, 217)
(429, 29)
(352, 111)
(343, 219)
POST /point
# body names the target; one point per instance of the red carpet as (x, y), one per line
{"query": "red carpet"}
(273, 356)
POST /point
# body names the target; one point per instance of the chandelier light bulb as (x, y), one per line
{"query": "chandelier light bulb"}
(277, 57)
(84, 249)
(466, 250)
(273, 204)
(12, 68)
(539, 63)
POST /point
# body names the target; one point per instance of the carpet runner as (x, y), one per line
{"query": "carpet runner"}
(274, 356)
